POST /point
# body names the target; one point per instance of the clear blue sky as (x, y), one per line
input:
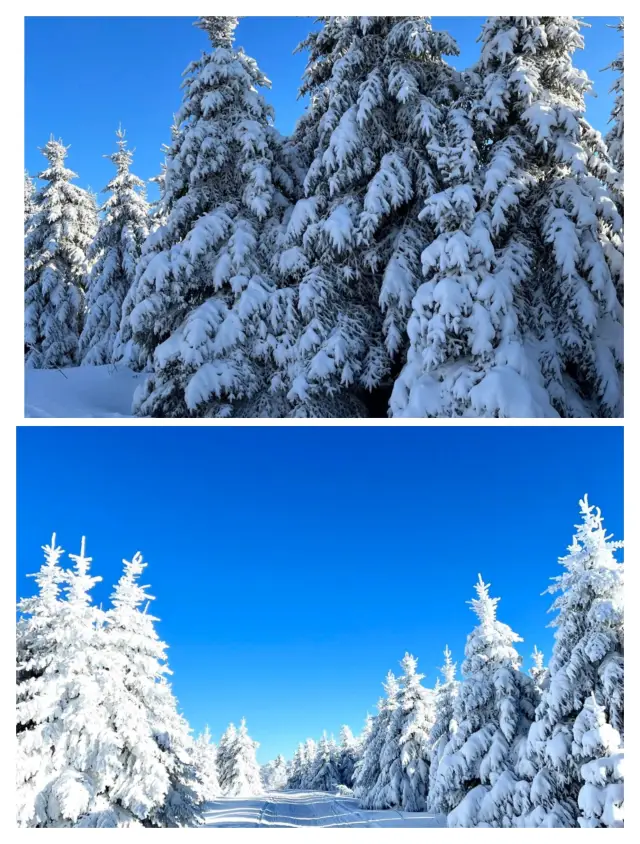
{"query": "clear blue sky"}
(293, 567)
(109, 70)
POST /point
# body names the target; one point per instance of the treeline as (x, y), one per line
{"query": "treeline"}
(501, 748)
(427, 243)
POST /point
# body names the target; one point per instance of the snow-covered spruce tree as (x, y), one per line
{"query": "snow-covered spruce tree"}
(444, 728)
(310, 753)
(348, 756)
(481, 764)
(157, 779)
(538, 673)
(243, 772)
(224, 757)
(615, 136)
(361, 742)
(204, 285)
(66, 746)
(520, 313)
(587, 659)
(204, 760)
(353, 242)
(404, 758)
(115, 251)
(324, 775)
(56, 264)
(369, 770)
(601, 798)
(294, 779)
(30, 204)
(274, 774)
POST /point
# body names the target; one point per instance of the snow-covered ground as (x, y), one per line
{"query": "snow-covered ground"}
(308, 808)
(81, 392)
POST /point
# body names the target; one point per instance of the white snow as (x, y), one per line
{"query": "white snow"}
(80, 392)
(308, 808)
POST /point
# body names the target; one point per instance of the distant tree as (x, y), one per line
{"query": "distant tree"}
(324, 774)
(243, 778)
(443, 730)
(204, 760)
(348, 756)
(224, 757)
(370, 767)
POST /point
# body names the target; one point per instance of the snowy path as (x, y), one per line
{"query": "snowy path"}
(80, 392)
(307, 808)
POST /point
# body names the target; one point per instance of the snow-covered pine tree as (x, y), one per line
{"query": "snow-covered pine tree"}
(30, 205)
(521, 313)
(601, 798)
(115, 252)
(324, 775)
(274, 774)
(294, 779)
(496, 704)
(615, 136)
(204, 760)
(310, 753)
(444, 728)
(348, 756)
(404, 759)
(538, 673)
(369, 770)
(353, 242)
(203, 287)
(224, 757)
(587, 659)
(66, 746)
(56, 264)
(155, 779)
(243, 773)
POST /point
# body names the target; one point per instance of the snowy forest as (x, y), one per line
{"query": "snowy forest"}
(428, 242)
(102, 742)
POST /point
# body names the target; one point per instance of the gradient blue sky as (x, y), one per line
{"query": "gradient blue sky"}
(111, 70)
(293, 567)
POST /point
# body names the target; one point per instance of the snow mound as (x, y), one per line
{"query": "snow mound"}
(80, 392)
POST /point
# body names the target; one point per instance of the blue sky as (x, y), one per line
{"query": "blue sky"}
(293, 567)
(111, 70)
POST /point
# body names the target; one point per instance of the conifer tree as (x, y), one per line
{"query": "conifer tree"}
(224, 757)
(404, 758)
(520, 313)
(310, 754)
(587, 659)
(115, 252)
(615, 137)
(601, 798)
(538, 673)
(324, 775)
(369, 770)
(30, 205)
(203, 285)
(294, 780)
(443, 730)
(348, 756)
(481, 765)
(204, 758)
(56, 264)
(353, 242)
(243, 772)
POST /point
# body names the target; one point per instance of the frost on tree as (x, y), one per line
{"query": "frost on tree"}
(324, 775)
(203, 312)
(404, 756)
(587, 660)
(242, 772)
(443, 730)
(352, 246)
(369, 769)
(538, 673)
(615, 137)
(601, 798)
(56, 264)
(115, 252)
(520, 311)
(481, 766)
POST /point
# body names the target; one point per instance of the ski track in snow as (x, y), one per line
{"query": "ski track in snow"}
(308, 808)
